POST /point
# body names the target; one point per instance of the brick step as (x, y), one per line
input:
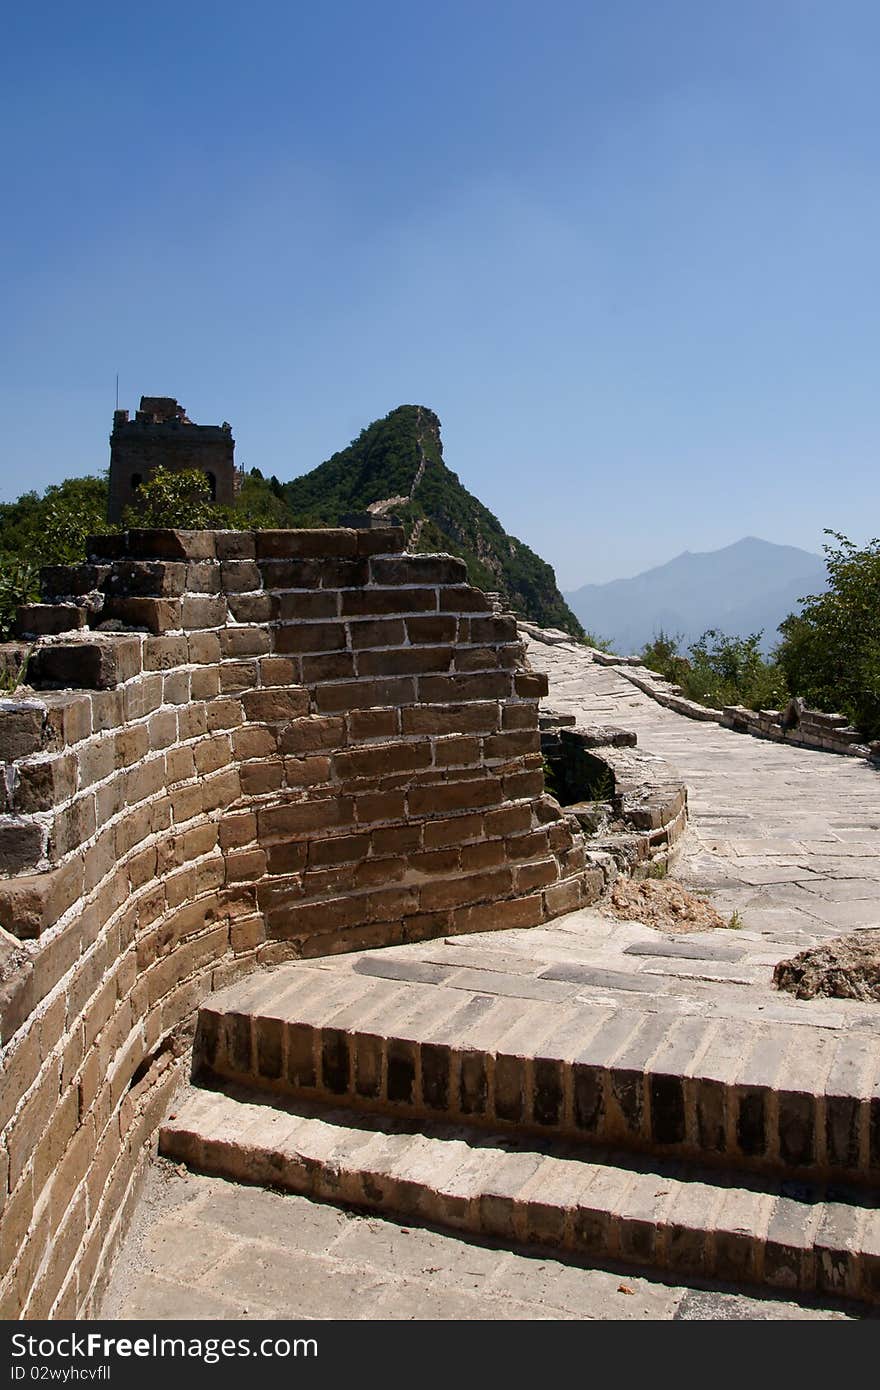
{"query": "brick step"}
(602, 1207)
(427, 1043)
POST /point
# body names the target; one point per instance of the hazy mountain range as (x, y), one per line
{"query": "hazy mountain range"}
(746, 587)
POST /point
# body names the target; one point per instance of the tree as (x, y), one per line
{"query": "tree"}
(175, 498)
(45, 530)
(52, 529)
(830, 652)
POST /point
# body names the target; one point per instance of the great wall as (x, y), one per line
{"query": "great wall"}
(281, 793)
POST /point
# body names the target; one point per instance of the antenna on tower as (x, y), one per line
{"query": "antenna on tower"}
(117, 390)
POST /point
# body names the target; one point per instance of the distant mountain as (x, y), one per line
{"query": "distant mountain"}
(743, 588)
(395, 467)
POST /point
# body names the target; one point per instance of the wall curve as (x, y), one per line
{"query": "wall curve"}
(235, 748)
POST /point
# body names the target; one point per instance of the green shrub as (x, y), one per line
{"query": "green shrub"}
(174, 498)
(51, 529)
(720, 670)
(19, 583)
(830, 652)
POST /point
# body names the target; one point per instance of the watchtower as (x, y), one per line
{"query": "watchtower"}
(162, 434)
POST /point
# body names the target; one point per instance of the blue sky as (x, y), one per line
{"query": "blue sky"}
(627, 250)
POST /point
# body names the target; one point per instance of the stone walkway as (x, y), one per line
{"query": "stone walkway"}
(787, 838)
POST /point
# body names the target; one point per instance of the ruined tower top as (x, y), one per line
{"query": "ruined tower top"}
(161, 434)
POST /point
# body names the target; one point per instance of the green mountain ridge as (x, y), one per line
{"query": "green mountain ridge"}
(396, 467)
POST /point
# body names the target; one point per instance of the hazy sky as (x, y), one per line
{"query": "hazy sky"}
(626, 249)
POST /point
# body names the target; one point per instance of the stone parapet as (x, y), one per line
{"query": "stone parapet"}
(263, 746)
(797, 724)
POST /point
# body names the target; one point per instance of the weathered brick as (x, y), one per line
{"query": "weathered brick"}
(380, 806)
(303, 605)
(381, 540)
(42, 785)
(401, 1071)
(336, 698)
(512, 745)
(469, 659)
(236, 676)
(488, 855)
(304, 818)
(379, 633)
(244, 641)
(312, 734)
(373, 724)
(239, 576)
(204, 648)
(456, 796)
(250, 608)
(307, 771)
(531, 876)
(272, 545)
(277, 670)
(374, 602)
(417, 569)
(563, 897)
(32, 1120)
(462, 599)
(470, 888)
(478, 718)
(142, 696)
(74, 824)
(457, 831)
(519, 716)
(330, 666)
(275, 705)
(381, 759)
(45, 619)
(164, 544)
(265, 776)
(488, 685)
(68, 717)
(224, 714)
(279, 573)
(145, 579)
(97, 663)
(234, 545)
(311, 637)
(202, 610)
(203, 577)
(531, 685)
(157, 615)
(432, 629)
(31, 903)
(163, 653)
(435, 1061)
(523, 784)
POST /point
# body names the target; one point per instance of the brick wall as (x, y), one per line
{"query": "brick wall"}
(313, 743)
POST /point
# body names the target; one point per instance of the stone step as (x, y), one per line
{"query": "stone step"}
(601, 1207)
(388, 1032)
